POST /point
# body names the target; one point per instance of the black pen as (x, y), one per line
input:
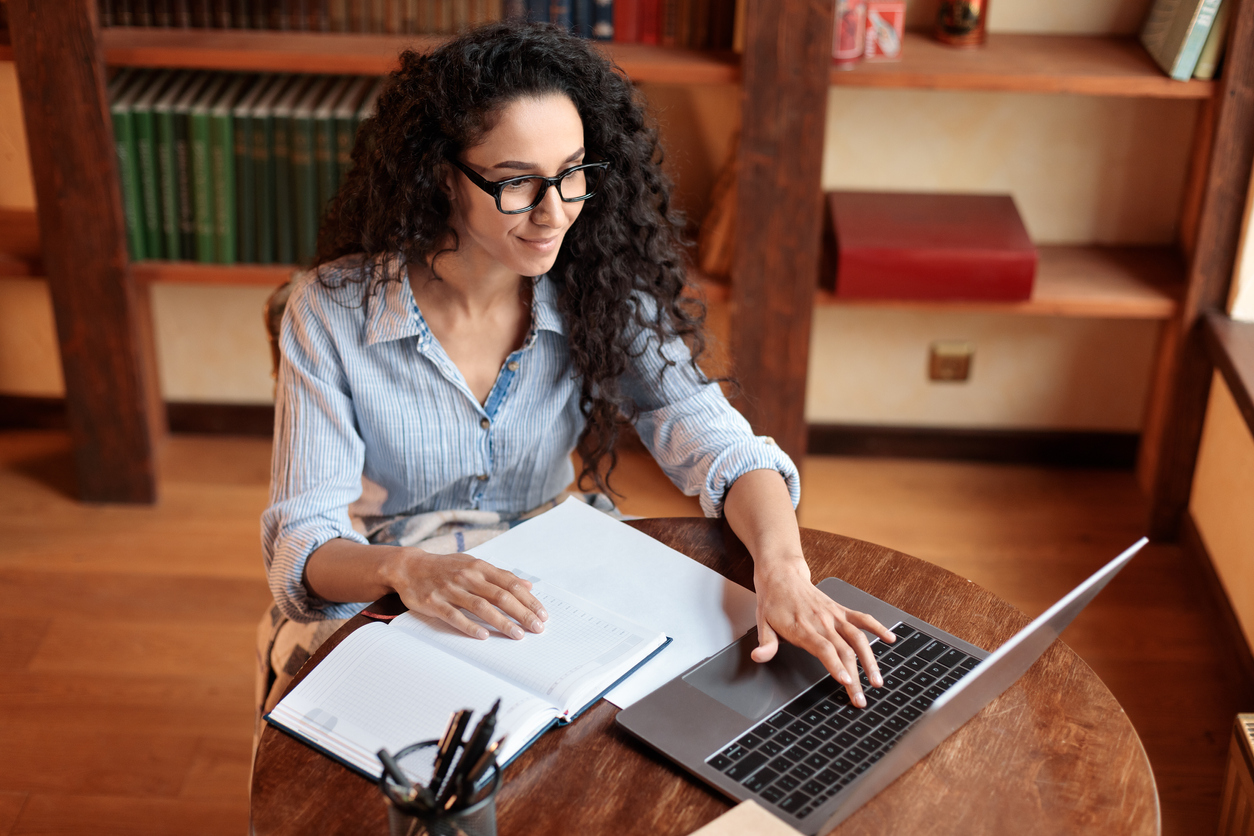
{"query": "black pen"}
(471, 752)
(448, 748)
(480, 768)
(407, 792)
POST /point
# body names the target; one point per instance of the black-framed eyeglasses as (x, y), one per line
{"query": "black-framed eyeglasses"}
(522, 194)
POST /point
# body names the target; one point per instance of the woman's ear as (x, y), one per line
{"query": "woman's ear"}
(446, 184)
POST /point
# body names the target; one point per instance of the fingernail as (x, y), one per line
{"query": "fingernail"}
(892, 637)
(515, 632)
(879, 681)
(536, 626)
(843, 677)
(543, 613)
(859, 700)
(481, 633)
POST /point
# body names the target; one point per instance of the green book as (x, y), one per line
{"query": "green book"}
(146, 154)
(345, 121)
(181, 117)
(1175, 32)
(120, 107)
(167, 169)
(304, 172)
(202, 167)
(245, 171)
(284, 216)
(262, 118)
(324, 142)
(222, 167)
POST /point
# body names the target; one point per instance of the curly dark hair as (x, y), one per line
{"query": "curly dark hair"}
(626, 244)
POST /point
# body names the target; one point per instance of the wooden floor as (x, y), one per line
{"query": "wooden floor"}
(127, 634)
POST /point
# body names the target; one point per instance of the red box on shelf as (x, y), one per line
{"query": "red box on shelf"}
(930, 246)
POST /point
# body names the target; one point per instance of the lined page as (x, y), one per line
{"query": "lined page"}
(379, 688)
(582, 644)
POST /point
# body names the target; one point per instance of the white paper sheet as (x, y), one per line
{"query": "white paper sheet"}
(595, 556)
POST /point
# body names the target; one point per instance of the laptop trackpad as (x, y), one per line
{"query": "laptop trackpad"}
(752, 689)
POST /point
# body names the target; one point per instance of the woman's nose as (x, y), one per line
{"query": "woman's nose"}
(548, 211)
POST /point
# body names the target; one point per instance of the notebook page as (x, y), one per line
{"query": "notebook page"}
(379, 688)
(583, 649)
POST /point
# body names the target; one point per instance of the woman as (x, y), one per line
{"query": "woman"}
(499, 281)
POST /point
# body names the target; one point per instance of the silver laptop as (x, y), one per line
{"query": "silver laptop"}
(784, 733)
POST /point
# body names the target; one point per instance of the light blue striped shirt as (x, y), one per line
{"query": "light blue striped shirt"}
(372, 413)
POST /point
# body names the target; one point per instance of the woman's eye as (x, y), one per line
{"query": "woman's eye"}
(517, 185)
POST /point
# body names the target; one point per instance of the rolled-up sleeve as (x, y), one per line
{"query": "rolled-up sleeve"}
(699, 439)
(317, 462)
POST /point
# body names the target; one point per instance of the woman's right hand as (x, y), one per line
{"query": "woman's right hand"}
(447, 586)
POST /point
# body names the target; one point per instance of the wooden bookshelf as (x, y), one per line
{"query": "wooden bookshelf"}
(20, 254)
(1083, 65)
(321, 52)
(1089, 282)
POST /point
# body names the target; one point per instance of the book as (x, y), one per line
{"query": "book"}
(650, 21)
(344, 119)
(1175, 32)
(325, 162)
(222, 168)
(167, 167)
(180, 113)
(120, 103)
(603, 20)
(202, 168)
(146, 157)
(390, 685)
(304, 173)
(892, 245)
(261, 116)
(280, 154)
(627, 21)
(246, 171)
(1213, 49)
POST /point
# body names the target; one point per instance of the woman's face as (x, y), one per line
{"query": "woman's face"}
(531, 136)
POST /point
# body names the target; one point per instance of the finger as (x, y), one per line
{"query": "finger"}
(768, 642)
(487, 612)
(858, 641)
(866, 622)
(522, 606)
(457, 619)
(840, 661)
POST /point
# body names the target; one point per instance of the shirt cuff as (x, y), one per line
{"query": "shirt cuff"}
(287, 573)
(754, 453)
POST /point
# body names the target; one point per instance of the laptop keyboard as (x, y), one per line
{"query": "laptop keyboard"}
(817, 744)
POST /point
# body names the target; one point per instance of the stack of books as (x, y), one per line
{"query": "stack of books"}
(698, 24)
(225, 168)
(1186, 37)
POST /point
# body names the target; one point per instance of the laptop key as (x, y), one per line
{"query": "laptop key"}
(816, 761)
(937, 670)
(872, 719)
(761, 779)
(828, 777)
(788, 783)
(891, 661)
(763, 730)
(841, 765)
(859, 729)
(885, 733)
(953, 657)
(780, 719)
(916, 664)
(814, 787)
(881, 649)
(809, 743)
(772, 794)
(912, 688)
(934, 650)
(802, 771)
(845, 739)
(856, 755)
(770, 748)
(897, 723)
(801, 726)
(871, 744)
(719, 762)
(750, 741)
(898, 698)
(910, 713)
(823, 732)
(923, 679)
(950, 681)
(782, 764)
(893, 682)
(836, 722)
(921, 703)
(794, 802)
(734, 752)
(831, 750)
(969, 664)
(884, 709)
(785, 738)
(826, 707)
(746, 766)
(813, 717)
(934, 692)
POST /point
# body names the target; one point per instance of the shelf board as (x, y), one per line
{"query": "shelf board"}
(1084, 65)
(1090, 282)
(324, 52)
(191, 272)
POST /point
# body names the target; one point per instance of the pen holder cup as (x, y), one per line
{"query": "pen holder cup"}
(410, 819)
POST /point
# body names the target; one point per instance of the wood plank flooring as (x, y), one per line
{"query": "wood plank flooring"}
(127, 633)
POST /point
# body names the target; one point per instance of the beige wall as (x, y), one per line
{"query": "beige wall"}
(1242, 300)
(1057, 17)
(1223, 499)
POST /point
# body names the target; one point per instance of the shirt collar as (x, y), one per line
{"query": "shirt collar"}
(392, 313)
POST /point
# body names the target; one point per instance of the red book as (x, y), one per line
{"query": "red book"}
(627, 21)
(650, 21)
(930, 246)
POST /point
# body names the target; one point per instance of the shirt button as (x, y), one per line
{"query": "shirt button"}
(485, 423)
(482, 477)
(512, 365)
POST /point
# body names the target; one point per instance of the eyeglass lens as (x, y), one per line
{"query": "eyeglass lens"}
(524, 193)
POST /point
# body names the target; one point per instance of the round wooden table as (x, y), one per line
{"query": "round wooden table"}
(1054, 754)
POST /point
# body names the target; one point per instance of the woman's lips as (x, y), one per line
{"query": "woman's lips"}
(542, 245)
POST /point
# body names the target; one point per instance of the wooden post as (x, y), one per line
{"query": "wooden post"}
(1210, 272)
(103, 323)
(779, 211)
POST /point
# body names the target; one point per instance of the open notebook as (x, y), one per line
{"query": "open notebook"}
(390, 685)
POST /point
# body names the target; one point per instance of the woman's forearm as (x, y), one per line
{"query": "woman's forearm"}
(342, 570)
(759, 509)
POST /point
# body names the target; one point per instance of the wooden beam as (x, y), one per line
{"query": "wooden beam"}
(1231, 348)
(779, 211)
(103, 323)
(1218, 235)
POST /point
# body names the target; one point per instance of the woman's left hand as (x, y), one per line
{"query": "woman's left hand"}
(792, 608)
